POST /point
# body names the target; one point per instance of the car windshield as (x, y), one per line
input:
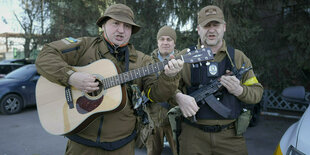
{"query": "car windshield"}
(21, 73)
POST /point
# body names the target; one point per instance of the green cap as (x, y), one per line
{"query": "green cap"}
(121, 13)
(210, 13)
(167, 31)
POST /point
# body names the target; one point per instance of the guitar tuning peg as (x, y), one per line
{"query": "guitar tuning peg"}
(209, 52)
(193, 65)
(202, 46)
(207, 63)
(188, 50)
(200, 63)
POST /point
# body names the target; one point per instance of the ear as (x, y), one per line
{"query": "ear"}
(103, 28)
(198, 29)
(224, 27)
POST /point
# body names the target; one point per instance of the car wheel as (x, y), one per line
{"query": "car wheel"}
(11, 104)
(255, 115)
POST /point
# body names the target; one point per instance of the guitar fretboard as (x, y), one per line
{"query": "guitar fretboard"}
(133, 74)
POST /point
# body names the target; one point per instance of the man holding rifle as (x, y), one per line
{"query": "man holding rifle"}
(214, 129)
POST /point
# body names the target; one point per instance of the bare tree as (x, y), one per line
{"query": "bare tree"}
(32, 22)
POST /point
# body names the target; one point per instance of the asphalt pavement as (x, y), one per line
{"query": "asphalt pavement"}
(22, 134)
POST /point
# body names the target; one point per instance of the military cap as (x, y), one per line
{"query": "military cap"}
(121, 13)
(210, 13)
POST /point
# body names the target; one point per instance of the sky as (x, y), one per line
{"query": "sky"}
(8, 22)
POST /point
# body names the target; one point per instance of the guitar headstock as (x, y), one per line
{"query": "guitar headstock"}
(198, 55)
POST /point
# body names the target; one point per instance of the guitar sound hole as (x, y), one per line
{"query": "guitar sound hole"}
(97, 92)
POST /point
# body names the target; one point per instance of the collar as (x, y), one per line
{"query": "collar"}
(222, 49)
(103, 48)
(161, 58)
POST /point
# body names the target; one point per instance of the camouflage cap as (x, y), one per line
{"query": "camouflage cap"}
(210, 13)
(121, 13)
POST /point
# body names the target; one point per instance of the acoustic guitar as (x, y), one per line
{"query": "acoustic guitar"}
(67, 110)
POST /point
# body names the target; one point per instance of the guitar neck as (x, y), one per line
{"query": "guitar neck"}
(196, 55)
(133, 74)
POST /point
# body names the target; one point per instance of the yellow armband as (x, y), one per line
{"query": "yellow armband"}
(251, 81)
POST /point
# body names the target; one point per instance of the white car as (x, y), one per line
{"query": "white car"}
(296, 139)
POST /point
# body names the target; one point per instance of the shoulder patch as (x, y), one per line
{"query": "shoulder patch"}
(69, 40)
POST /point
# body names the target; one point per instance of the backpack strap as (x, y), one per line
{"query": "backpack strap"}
(231, 56)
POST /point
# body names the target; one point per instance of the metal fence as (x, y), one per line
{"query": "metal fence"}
(273, 100)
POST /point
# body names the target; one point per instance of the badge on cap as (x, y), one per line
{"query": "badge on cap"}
(210, 12)
(213, 69)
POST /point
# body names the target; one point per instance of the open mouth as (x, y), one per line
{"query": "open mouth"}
(119, 37)
(211, 37)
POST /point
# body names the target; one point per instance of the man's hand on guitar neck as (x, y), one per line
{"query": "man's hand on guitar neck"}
(173, 67)
(83, 81)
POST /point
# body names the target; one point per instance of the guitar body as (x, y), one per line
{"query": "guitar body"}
(58, 118)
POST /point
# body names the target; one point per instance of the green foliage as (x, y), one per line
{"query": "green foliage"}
(273, 34)
(74, 18)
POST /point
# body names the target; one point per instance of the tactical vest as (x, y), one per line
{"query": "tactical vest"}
(200, 75)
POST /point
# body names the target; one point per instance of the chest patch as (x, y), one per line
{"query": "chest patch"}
(212, 69)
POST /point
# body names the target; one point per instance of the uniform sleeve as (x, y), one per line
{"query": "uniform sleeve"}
(182, 81)
(252, 89)
(56, 58)
(159, 89)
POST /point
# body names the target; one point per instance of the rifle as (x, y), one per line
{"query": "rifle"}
(205, 94)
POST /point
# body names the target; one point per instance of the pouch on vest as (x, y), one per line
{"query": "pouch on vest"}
(243, 122)
(144, 124)
(144, 131)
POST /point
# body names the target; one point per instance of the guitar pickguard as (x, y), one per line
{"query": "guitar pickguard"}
(85, 105)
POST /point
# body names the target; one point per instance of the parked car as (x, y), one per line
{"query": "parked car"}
(17, 89)
(23, 61)
(295, 140)
(6, 66)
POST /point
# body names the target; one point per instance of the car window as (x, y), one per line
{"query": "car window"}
(21, 73)
(5, 69)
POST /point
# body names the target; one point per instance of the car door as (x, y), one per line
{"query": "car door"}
(28, 89)
(32, 87)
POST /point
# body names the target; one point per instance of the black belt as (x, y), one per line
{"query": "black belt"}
(210, 128)
(110, 146)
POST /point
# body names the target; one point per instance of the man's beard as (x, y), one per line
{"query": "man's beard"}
(210, 42)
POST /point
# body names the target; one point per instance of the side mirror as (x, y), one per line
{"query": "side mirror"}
(295, 94)
(35, 78)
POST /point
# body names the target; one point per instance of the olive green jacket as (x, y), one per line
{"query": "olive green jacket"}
(55, 62)
(252, 91)
(158, 113)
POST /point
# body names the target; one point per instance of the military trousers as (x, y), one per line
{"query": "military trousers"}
(74, 148)
(155, 141)
(194, 141)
